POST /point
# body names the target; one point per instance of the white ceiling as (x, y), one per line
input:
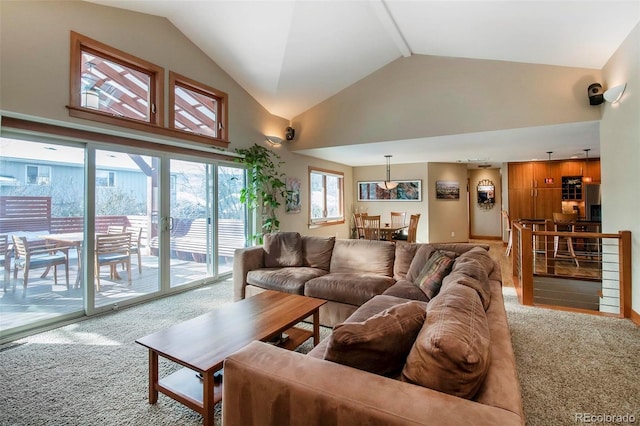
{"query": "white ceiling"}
(292, 54)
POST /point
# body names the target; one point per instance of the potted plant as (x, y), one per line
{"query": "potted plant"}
(265, 186)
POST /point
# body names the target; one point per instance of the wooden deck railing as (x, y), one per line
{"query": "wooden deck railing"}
(596, 280)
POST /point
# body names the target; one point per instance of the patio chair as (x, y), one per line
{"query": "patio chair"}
(5, 258)
(115, 229)
(136, 238)
(36, 255)
(112, 250)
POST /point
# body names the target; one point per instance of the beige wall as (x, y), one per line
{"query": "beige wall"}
(485, 222)
(34, 78)
(422, 96)
(384, 208)
(448, 219)
(620, 151)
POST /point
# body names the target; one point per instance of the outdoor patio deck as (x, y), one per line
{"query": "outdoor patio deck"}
(43, 300)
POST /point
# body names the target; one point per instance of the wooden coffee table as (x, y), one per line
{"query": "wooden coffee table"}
(202, 343)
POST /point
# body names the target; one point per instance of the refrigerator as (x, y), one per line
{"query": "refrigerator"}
(592, 199)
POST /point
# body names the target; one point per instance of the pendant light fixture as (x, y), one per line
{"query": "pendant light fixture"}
(388, 184)
(548, 179)
(586, 178)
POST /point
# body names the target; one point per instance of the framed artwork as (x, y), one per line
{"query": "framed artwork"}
(407, 190)
(447, 190)
(294, 204)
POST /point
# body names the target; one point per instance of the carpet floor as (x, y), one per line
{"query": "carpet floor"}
(92, 372)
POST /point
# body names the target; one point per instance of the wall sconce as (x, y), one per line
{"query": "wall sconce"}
(274, 140)
(613, 95)
(289, 134)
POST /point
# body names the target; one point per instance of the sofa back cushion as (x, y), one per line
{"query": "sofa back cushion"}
(363, 256)
(282, 249)
(405, 253)
(472, 269)
(381, 343)
(452, 351)
(317, 251)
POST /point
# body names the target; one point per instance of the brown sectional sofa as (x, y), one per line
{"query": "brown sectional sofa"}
(362, 281)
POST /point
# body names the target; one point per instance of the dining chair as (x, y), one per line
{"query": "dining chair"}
(359, 224)
(371, 227)
(136, 238)
(506, 222)
(36, 255)
(565, 222)
(112, 250)
(398, 220)
(412, 230)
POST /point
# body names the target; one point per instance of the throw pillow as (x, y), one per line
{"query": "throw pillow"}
(381, 343)
(282, 249)
(452, 351)
(430, 278)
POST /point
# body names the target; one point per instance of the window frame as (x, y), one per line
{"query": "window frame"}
(80, 43)
(108, 173)
(326, 221)
(178, 80)
(38, 167)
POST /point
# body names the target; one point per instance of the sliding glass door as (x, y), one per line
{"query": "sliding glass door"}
(126, 185)
(190, 224)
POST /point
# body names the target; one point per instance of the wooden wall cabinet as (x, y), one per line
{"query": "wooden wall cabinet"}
(531, 197)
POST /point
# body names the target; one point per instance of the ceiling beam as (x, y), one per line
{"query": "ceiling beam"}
(389, 24)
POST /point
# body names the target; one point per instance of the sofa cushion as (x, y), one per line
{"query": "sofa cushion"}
(404, 255)
(381, 343)
(288, 280)
(406, 290)
(472, 274)
(430, 278)
(282, 249)
(353, 289)
(316, 251)
(479, 254)
(452, 351)
(372, 307)
(363, 256)
(423, 253)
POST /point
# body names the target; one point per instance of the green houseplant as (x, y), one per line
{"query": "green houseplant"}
(265, 186)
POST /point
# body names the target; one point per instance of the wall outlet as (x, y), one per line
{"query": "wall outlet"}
(453, 234)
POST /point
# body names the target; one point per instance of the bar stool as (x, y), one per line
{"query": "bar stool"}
(565, 222)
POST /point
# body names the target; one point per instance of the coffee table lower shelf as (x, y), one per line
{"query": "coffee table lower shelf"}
(185, 386)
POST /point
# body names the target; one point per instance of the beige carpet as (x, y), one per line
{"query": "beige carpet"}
(92, 372)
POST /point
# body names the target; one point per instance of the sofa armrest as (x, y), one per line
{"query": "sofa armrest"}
(267, 385)
(245, 260)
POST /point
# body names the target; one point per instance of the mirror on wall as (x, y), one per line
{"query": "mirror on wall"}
(486, 194)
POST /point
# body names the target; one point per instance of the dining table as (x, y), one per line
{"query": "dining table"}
(387, 230)
(68, 240)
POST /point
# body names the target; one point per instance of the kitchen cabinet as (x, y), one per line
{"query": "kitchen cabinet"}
(531, 197)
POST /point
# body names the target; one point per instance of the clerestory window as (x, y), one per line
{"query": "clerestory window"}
(197, 108)
(111, 86)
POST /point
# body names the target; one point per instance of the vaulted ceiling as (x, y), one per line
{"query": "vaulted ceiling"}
(291, 55)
